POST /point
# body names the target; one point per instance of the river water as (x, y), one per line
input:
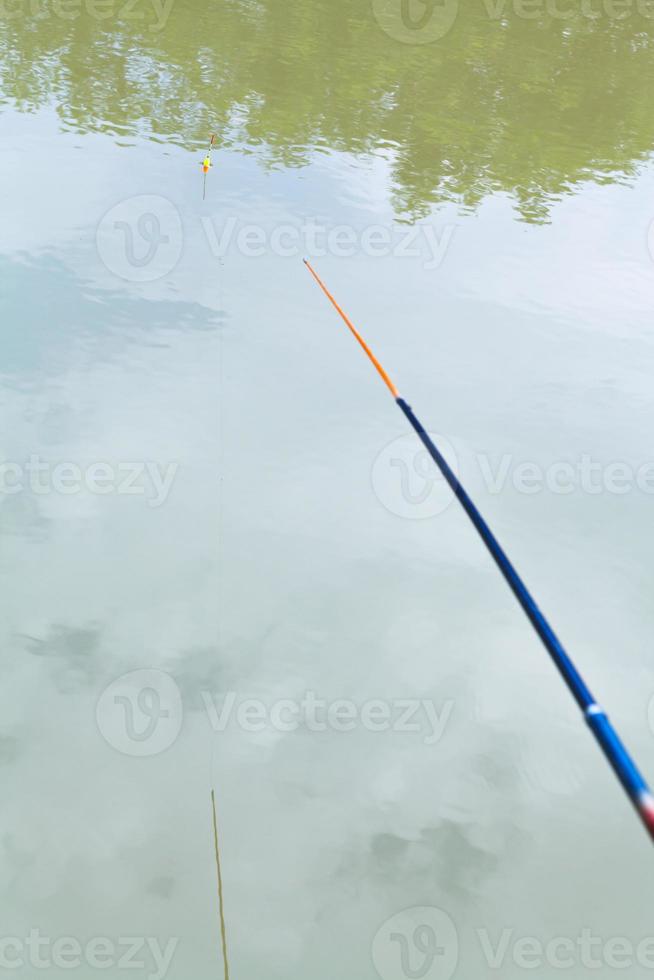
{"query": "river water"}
(224, 561)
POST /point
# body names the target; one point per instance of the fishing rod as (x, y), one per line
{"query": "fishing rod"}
(617, 755)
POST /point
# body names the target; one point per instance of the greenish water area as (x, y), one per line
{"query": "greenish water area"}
(225, 561)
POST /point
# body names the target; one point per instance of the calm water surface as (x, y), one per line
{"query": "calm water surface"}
(477, 189)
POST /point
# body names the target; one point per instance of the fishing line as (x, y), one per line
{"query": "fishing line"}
(221, 900)
(618, 757)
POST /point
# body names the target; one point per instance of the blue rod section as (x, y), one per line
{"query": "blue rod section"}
(606, 736)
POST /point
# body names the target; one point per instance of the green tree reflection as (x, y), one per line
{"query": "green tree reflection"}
(528, 107)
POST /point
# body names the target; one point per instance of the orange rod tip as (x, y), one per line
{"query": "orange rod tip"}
(346, 320)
